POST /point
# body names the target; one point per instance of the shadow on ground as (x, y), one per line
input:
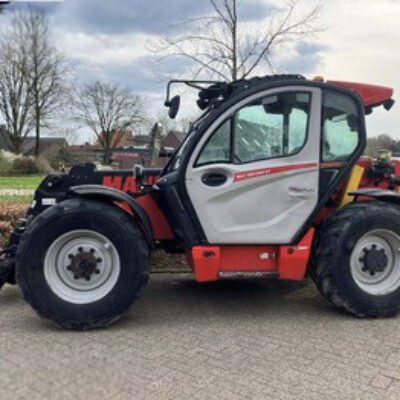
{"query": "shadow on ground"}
(179, 299)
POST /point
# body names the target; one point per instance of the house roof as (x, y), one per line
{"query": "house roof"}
(130, 150)
(120, 139)
(45, 143)
(84, 148)
(173, 139)
(28, 146)
(138, 141)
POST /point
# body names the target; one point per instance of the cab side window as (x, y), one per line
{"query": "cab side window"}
(218, 147)
(341, 127)
(274, 126)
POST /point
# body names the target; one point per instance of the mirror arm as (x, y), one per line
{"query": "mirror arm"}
(190, 83)
(168, 96)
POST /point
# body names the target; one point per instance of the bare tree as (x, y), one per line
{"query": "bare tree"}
(47, 70)
(220, 45)
(15, 91)
(70, 133)
(168, 124)
(39, 73)
(109, 111)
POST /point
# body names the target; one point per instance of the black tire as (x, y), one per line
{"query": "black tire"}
(330, 262)
(106, 219)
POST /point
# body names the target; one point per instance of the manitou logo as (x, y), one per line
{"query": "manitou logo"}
(125, 183)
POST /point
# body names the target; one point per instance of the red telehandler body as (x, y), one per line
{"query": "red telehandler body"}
(270, 181)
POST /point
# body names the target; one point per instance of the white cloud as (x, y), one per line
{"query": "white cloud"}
(362, 39)
(360, 43)
(103, 49)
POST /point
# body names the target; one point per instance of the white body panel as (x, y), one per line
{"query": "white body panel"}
(266, 209)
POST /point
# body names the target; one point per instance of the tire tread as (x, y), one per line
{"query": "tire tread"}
(126, 224)
(323, 270)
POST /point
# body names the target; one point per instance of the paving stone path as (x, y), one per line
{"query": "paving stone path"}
(227, 340)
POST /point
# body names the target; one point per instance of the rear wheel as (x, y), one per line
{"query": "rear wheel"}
(82, 263)
(356, 259)
(375, 262)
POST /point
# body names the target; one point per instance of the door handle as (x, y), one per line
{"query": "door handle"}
(214, 179)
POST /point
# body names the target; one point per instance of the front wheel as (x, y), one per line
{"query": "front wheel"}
(82, 263)
(356, 259)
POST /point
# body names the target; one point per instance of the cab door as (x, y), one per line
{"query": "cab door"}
(254, 176)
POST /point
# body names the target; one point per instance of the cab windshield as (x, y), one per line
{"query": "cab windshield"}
(176, 159)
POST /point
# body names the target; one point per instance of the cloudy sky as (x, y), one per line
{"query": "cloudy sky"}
(109, 40)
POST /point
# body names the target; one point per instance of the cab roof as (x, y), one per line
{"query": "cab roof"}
(371, 95)
(214, 93)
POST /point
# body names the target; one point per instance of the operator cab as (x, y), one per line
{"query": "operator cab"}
(264, 158)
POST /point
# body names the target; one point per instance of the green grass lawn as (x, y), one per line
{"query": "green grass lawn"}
(29, 182)
(15, 199)
(20, 182)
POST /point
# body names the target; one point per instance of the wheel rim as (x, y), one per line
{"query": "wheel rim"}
(82, 266)
(375, 262)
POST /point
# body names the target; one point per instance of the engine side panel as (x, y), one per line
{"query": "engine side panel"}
(56, 187)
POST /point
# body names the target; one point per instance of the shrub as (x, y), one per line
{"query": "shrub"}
(58, 158)
(10, 213)
(5, 164)
(43, 166)
(24, 165)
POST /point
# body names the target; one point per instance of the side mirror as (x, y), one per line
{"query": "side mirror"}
(173, 106)
(388, 104)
